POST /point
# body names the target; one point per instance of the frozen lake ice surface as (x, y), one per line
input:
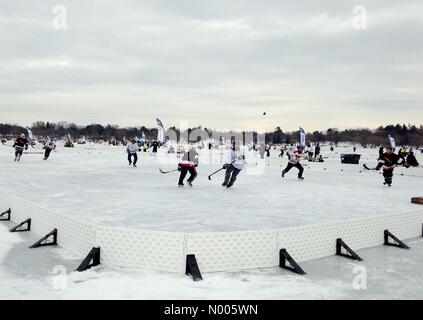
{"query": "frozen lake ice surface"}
(94, 183)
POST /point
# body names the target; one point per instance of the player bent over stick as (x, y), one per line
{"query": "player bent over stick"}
(49, 146)
(189, 163)
(294, 161)
(235, 163)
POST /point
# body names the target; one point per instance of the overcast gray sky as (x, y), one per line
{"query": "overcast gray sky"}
(219, 63)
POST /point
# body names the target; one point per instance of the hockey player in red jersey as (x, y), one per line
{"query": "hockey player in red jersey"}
(20, 144)
(294, 156)
(188, 163)
(388, 160)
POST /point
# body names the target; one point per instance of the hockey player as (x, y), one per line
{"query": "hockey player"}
(411, 159)
(189, 163)
(388, 160)
(317, 150)
(155, 146)
(146, 146)
(234, 164)
(294, 161)
(282, 151)
(132, 148)
(49, 146)
(309, 151)
(402, 152)
(20, 144)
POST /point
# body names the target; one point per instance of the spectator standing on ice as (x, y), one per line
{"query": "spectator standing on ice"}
(132, 148)
(282, 152)
(155, 146)
(309, 150)
(234, 164)
(267, 150)
(317, 150)
(262, 150)
(49, 146)
(294, 161)
(411, 159)
(20, 144)
(188, 163)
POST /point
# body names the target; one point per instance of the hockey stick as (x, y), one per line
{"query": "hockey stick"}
(165, 172)
(366, 167)
(223, 168)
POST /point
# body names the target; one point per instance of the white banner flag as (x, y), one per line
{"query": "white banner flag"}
(160, 133)
(392, 141)
(30, 137)
(302, 137)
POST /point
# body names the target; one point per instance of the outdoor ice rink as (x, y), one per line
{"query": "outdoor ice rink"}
(94, 183)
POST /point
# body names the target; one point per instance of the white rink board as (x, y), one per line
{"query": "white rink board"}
(73, 235)
(215, 251)
(227, 251)
(134, 248)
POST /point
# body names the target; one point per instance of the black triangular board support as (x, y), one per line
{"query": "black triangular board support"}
(91, 260)
(43, 241)
(192, 268)
(285, 257)
(7, 212)
(350, 252)
(18, 228)
(398, 243)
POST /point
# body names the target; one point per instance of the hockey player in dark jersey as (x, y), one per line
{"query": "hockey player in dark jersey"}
(388, 160)
(20, 144)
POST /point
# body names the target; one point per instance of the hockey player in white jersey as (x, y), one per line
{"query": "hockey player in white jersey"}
(132, 148)
(49, 146)
(234, 164)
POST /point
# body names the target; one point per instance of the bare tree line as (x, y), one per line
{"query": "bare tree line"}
(404, 134)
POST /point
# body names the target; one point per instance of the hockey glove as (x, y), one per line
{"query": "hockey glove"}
(406, 165)
(226, 166)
